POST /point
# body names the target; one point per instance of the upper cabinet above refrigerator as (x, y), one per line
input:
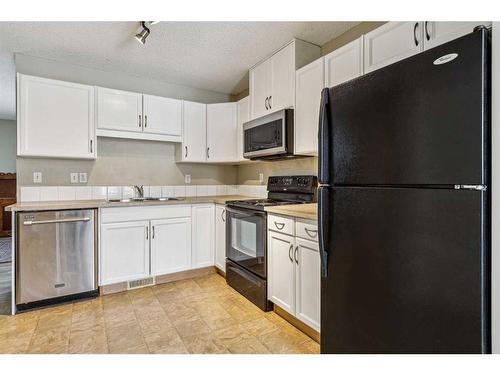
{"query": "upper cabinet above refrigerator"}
(272, 81)
(395, 41)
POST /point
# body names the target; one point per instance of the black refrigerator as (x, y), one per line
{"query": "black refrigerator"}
(404, 217)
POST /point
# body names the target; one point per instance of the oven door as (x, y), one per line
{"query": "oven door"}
(246, 239)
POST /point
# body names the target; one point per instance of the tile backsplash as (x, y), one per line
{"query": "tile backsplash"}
(64, 193)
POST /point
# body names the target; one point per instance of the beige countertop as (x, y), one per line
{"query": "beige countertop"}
(101, 203)
(303, 211)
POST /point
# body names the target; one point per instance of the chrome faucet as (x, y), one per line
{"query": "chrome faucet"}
(139, 190)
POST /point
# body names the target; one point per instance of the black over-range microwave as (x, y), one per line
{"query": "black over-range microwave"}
(269, 137)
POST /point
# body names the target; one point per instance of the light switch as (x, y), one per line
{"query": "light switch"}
(37, 177)
(73, 178)
(187, 179)
(261, 177)
(83, 177)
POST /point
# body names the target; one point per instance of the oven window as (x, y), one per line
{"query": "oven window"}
(246, 240)
(264, 136)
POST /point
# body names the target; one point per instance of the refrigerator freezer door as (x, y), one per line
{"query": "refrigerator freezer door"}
(414, 122)
(407, 272)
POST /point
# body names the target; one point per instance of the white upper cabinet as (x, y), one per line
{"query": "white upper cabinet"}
(392, 42)
(282, 92)
(194, 140)
(309, 82)
(55, 118)
(119, 110)
(436, 33)
(344, 64)
(243, 116)
(272, 81)
(221, 132)
(162, 116)
(260, 88)
(203, 216)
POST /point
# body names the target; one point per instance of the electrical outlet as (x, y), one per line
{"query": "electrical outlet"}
(83, 177)
(187, 179)
(37, 177)
(73, 177)
(261, 177)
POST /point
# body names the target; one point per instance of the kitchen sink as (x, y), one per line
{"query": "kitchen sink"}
(149, 199)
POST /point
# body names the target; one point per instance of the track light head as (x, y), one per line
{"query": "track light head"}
(141, 37)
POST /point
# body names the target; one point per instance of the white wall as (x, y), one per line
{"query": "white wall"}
(495, 189)
(7, 146)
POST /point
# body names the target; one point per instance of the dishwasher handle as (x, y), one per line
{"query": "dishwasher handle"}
(67, 220)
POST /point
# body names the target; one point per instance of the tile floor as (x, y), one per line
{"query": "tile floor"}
(201, 315)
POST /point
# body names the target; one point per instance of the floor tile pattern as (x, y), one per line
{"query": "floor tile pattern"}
(201, 315)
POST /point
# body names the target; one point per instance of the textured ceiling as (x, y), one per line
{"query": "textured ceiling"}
(208, 55)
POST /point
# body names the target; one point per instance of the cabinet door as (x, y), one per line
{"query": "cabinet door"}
(203, 237)
(281, 270)
(282, 79)
(308, 282)
(194, 141)
(55, 118)
(221, 131)
(309, 83)
(119, 110)
(243, 116)
(344, 63)
(392, 42)
(220, 237)
(124, 252)
(436, 33)
(260, 89)
(170, 245)
(162, 116)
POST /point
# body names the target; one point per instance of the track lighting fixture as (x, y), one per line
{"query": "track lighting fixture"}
(141, 37)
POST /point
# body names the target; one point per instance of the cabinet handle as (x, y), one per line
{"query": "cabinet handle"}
(427, 35)
(222, 215)
(140, 121)
(269, 102)
(145, 121)
(186, 155)
(290, 253)
(311, 232)
(295, 254)
(91, 146)
(147, 233)
(279, 226)
(208, 152)
(415, 33)
(153, 235)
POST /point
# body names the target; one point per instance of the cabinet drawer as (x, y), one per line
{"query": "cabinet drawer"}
(307, 230)
(281, 224)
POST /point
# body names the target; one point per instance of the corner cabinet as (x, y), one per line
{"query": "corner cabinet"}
(294, 278)
(55, 118)
(272, 81)
(221, 126)
(243, 116)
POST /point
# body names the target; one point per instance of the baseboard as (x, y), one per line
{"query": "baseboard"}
(220, 272)
(312, 333)
(162, 279)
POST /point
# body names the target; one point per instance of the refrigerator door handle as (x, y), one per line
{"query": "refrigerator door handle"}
(323, 228)
(323, 139)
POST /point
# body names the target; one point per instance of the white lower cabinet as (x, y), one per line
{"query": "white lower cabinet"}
(281, 267)
(294, 279)
(220, 237)
(124, 252)
(170, 245)
(308, 282)
(203, 234)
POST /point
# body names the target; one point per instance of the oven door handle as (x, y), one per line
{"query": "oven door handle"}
(245, 212)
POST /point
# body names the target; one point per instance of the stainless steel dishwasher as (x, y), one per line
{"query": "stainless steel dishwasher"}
(55, 257)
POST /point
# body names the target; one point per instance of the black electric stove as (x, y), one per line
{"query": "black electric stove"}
(246, 234)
